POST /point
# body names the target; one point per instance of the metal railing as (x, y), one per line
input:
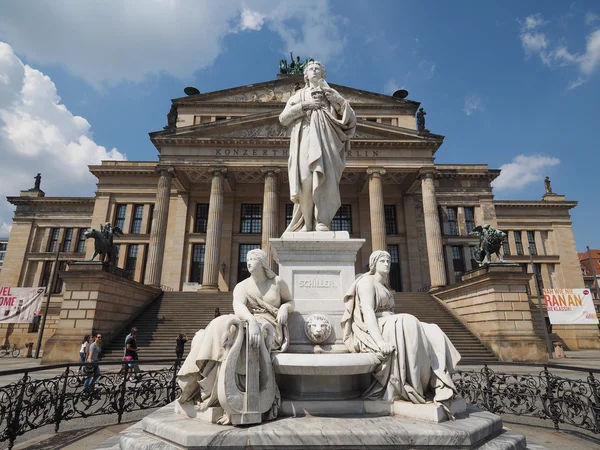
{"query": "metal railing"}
(34, 401)
(543, 395)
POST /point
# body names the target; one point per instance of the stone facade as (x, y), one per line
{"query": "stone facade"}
(221, 186)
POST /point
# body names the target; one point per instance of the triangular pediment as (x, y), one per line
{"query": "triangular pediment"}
(279, 91)
(267, 126)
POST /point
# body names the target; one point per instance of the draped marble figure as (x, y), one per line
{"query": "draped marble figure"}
(322, 124)
(263, 298)
(416, 359)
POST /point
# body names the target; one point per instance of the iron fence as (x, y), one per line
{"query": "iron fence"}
(37, 400)
(544, 395)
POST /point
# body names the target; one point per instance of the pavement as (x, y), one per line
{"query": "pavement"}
(83, 434)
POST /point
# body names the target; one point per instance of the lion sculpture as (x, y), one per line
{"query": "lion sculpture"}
(490, 242)
(317, 328)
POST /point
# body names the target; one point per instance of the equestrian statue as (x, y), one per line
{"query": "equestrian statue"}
(103, 242)
(490, 242)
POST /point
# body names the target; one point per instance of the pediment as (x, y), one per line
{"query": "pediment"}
(279, 91)
(267, 126)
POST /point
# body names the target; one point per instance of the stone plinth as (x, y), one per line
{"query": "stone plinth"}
(319, 268)
(94, 301)
(474, 429)
(493, 302)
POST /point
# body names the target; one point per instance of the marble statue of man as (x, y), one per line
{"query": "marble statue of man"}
(322, 124)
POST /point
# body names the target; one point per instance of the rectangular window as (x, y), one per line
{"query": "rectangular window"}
(473, 252)
(138, 215)
(53, 244)
(3, 246)
(2, 256)
(116, 255)
(81, 240)
(470, 218)
(120, 216)
(505, 247)
(46, 272)
(67, 240)
(537, 275)
(150, 219)
(62, 266)
(395, 277)
(525, 268)
(458, 261)
(342, 221)
(531, 240)
(390, 219)
(201, 222)
(451, 213)
(132, 253)
(251, 219)
(197, 268)
(518, 242)
(289, 213)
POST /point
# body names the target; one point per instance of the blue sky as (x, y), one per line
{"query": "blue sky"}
(512, 84)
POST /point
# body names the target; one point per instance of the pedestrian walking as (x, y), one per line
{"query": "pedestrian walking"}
(131, 352)
(83, 351)
(92, 371)
(217, 313)
(179, 343)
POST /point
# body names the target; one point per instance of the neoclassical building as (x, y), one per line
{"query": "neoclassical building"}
(220, 188)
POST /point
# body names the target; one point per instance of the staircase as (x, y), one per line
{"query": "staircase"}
(188, 312)
(427, 309)
(173, 313)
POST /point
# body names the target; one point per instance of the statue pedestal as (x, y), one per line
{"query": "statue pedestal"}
(474, 429)
(319, 268)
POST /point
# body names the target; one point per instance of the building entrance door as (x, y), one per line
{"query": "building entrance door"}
(395, 274)
(242, 272)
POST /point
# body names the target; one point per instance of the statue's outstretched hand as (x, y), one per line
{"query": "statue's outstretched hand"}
(254, 334)
(282, 315)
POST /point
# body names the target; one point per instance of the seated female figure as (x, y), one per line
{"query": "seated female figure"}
(417, 359)
(261, 298)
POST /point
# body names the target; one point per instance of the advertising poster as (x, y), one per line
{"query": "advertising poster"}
(570, 307)
(17, 305)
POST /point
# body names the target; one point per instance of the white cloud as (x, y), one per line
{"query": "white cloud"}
(112, 41)
(39, 134)
(536, 42)
(522, 171)
(252, 20)
(473, 103)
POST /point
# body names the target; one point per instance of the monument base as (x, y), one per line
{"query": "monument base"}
(473, 429)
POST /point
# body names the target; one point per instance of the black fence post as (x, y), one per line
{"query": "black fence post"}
(174, 380)
(595, 402)
(122, 393)
(487, 389)
(58, 413)
(551, 407)
(13, 420)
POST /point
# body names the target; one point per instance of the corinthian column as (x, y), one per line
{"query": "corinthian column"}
(158, 232)
(210, 280)
(376, 208)
(437, 271)
(270, 215)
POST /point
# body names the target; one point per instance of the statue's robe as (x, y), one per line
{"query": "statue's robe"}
(319, 139)
(422, 362)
